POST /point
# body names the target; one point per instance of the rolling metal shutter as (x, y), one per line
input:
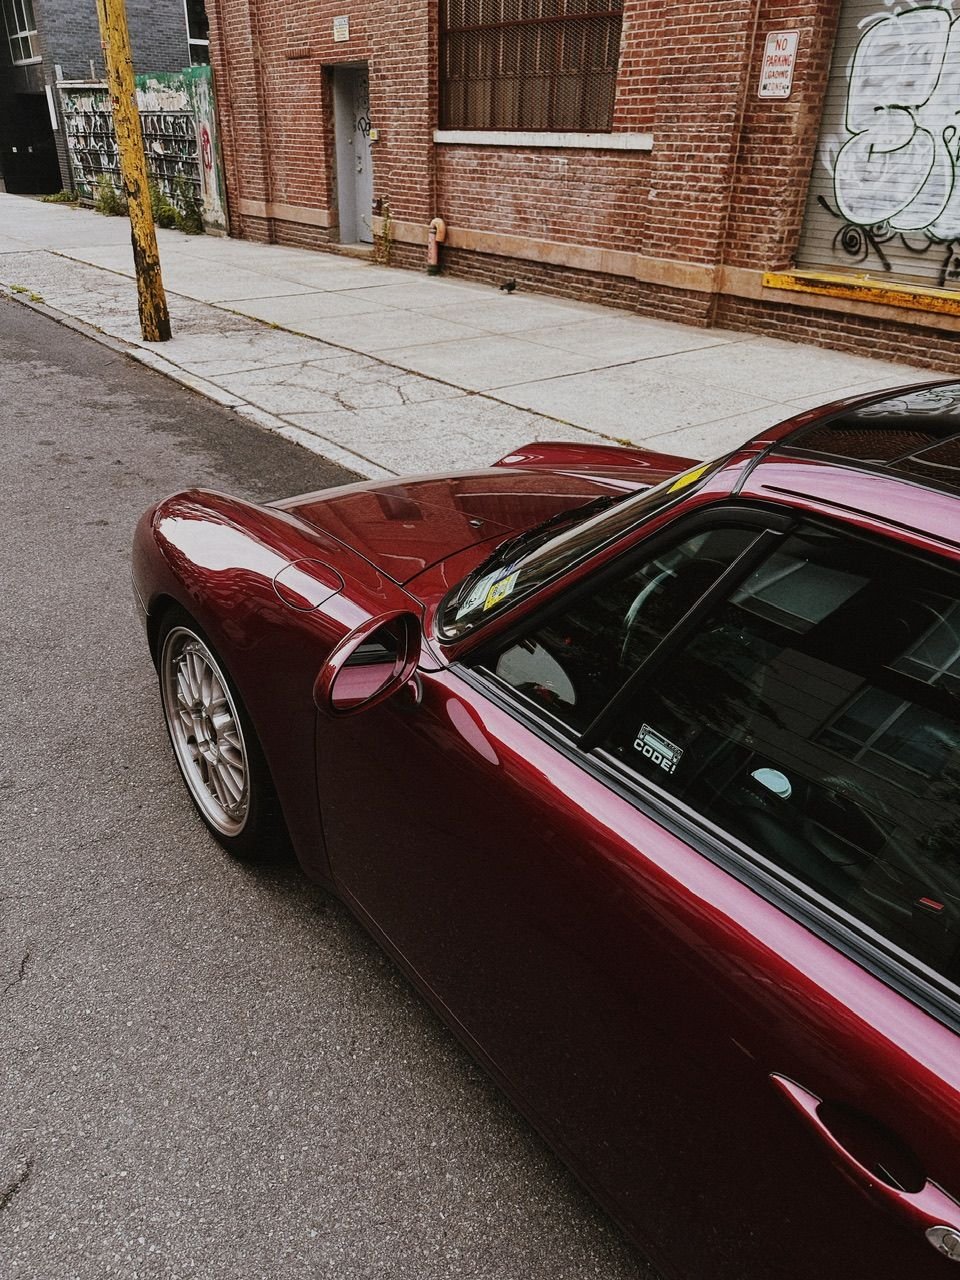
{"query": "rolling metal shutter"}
(884, 197)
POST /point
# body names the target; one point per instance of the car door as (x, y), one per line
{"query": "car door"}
(751, 1057)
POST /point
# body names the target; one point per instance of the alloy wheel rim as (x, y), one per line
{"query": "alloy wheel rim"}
(205, 731)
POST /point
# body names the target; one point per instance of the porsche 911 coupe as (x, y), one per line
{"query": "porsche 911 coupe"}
(646, 772)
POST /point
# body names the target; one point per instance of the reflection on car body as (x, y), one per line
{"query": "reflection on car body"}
(669, 829)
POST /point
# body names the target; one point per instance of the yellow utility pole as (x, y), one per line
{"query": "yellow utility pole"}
(115, 35)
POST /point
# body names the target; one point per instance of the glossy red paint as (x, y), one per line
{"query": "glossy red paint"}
(407, 526)
(877, 503)
(542, 913)
(217, 558)
(663, 1022)
(615, 464)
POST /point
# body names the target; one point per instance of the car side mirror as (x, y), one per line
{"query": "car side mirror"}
(369, 664)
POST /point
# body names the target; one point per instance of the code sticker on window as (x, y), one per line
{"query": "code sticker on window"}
(500, 589)
(658, 749)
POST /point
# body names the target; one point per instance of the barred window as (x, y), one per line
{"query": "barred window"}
(21, 30)
(529, 64)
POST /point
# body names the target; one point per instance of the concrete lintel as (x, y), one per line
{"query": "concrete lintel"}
(405, 232)
(285, 212)
(529, 138)
(614, 262)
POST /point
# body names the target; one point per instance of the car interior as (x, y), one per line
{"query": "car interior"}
(814, 715)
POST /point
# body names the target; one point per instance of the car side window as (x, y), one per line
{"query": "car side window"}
(815, 716)
(572, 663)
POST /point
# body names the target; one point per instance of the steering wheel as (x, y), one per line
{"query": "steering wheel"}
(633, 613)
(679, 588)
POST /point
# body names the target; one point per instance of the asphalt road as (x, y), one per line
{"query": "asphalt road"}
(208, 1071)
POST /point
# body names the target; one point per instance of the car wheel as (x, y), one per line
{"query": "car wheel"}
(215, 744)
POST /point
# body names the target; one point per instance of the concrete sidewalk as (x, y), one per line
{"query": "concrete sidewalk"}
(389, 371)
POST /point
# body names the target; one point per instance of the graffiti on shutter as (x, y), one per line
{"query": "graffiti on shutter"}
(884, 197)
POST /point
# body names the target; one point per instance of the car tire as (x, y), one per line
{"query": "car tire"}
(215, 745)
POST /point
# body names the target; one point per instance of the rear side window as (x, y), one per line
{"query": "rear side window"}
(815, 716)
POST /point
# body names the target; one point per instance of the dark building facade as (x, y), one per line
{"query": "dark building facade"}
(44, 43)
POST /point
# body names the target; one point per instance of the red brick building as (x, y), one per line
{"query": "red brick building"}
(784, 166)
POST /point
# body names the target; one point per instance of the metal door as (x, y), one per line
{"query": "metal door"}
(351, 96)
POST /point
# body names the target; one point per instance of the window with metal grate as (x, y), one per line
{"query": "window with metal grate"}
(529, 64)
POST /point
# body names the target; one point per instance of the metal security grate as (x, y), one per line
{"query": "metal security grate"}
(884, 197)
(529, 64)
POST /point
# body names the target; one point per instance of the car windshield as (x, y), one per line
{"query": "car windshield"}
(525, 562)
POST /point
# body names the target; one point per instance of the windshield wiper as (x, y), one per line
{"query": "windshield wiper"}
(505, 551)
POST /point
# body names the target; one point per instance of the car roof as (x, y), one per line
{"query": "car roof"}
(889, 460)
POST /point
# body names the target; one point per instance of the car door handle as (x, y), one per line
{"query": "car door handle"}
(930, 1208)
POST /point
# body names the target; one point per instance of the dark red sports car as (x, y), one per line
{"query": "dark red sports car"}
(647, 774)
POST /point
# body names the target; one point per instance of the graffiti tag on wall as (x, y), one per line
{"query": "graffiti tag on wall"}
(179, 134)
(895, 179)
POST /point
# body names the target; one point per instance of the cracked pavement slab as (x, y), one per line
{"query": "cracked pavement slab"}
(315, 385)
(385, 432)
(582, 371)
(332, 393)
(210, 1071)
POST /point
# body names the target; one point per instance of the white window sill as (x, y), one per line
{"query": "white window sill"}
(26, 62)
(509, 138)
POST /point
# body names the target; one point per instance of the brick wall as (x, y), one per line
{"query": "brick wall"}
(859, 334)
(273, 66)
(723, 187)
(778, 140)
(274, 61)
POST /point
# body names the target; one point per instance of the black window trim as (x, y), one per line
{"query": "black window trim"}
(903, 973)
(854, 938)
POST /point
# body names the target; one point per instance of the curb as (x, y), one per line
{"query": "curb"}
(363, 466)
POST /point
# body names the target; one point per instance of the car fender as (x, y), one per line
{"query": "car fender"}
(275, 598)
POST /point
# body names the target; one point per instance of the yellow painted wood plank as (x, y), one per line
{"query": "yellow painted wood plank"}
(866, 289)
